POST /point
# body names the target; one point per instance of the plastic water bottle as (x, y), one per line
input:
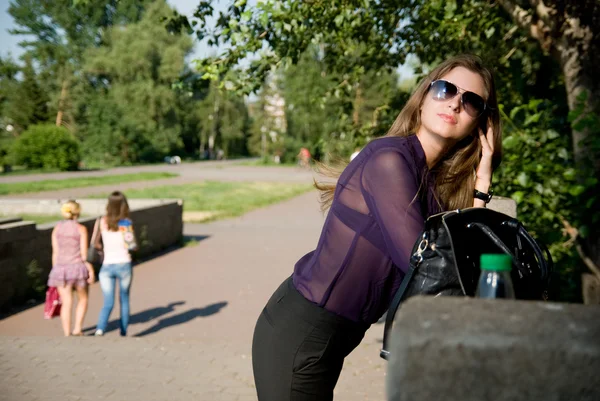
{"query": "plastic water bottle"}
(495, 281)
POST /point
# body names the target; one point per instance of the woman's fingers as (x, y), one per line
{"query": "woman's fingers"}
(487, 141)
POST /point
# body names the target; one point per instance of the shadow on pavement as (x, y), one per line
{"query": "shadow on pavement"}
(183, 318)
(188, 240)
(140, 317)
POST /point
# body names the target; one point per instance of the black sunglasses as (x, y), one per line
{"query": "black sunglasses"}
(473, 104)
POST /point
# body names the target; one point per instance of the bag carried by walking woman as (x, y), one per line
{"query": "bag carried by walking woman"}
(95, 253)
(53, 304)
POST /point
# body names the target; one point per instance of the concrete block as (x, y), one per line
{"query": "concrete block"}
(503, 205)
(17, 231)
(473, 350)
(6, 220)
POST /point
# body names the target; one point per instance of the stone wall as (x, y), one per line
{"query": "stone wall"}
(26, 249)
(451, 348)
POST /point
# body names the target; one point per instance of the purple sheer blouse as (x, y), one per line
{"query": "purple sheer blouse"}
(379, 209)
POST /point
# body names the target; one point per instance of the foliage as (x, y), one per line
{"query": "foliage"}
(29, 102)
(583, 119)
(133, 115)
(37, 282)
(538, 172)
(47, 146)
(22, 101)
(58, 33)
(223, 123)
(320, 116)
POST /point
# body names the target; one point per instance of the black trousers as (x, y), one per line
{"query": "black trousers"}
(299, 348)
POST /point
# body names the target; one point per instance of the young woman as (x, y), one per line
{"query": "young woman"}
(117, 242)
(69, 268)
(438, 155)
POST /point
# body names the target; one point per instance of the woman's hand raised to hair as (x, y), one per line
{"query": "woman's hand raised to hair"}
(483, 180)
(484, 171)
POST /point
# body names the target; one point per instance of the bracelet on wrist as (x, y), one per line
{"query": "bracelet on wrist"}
(486, 197)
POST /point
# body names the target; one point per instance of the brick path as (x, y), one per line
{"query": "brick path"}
(193, 312)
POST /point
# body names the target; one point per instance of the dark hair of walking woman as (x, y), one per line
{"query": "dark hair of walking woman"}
(116, 209)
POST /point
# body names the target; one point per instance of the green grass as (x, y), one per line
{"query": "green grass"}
(223, 199)
(52, 185)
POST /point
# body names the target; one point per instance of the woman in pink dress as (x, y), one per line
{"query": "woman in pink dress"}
(70, 271)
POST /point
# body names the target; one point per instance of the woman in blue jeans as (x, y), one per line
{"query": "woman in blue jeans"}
(118, 240)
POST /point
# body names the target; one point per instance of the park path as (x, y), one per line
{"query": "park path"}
(188, 169)
(193, 313)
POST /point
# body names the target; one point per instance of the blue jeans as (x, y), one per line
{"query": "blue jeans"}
(107, 277)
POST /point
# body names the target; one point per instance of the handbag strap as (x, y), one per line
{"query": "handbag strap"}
(391, 313)
(95, 232)
(545, 263)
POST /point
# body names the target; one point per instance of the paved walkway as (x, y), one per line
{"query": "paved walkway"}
(184, 168)
(193, 313)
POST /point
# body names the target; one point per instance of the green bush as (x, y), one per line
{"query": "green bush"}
(47, 146)
(539, 173)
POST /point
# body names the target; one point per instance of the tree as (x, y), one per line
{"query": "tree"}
(312, 94)
(28, 102)
(570, 31)
(307, 112)
(8, 82)
(134, 71)
(223, 122)
(62, 31)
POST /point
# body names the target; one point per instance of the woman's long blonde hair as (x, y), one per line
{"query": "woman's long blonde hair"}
(455, 173)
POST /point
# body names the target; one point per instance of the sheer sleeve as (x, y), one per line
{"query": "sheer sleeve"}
(389, 186)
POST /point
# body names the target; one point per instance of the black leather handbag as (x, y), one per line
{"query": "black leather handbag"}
(445, 258)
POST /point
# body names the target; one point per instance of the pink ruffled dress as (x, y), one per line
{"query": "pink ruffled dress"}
(70, 268)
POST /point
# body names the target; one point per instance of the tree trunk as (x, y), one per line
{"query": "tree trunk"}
(590, 286)
(578, 57)
(211, 145)
(61, 104)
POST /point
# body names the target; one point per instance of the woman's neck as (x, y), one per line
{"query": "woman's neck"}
(434, 147)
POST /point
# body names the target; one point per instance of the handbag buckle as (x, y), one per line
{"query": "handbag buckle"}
(418, 257)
